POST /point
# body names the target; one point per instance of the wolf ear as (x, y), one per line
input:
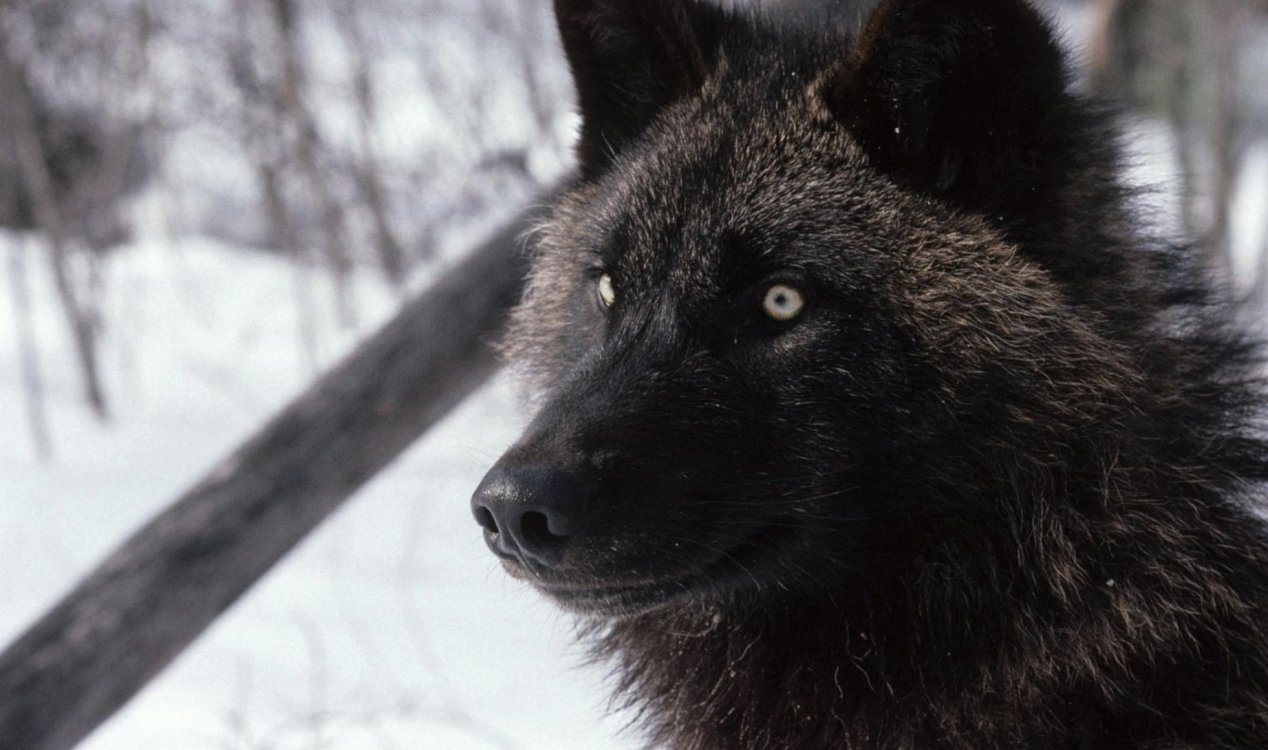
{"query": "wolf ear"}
(956, 98)
(631, 58)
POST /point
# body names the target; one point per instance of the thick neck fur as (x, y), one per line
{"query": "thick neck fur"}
(1106, 615)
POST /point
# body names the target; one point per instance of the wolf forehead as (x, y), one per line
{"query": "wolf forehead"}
(773, 156)
(750, 175)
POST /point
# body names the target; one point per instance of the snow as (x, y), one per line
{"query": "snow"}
(1250, 206)
(392, 626)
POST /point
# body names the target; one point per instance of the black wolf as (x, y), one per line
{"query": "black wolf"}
(870, 417)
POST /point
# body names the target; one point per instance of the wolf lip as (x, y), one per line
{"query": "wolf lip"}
(615, 599)
(597, 594)
(632, 596)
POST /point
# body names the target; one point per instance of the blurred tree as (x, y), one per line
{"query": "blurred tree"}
(66, 165)
(308, 151)
(28, 353)
(391, 254)
(261, 125)
(37, 200)
(1180, 59)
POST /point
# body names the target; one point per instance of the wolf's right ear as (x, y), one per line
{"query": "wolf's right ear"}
(961, 98)
(630, 59)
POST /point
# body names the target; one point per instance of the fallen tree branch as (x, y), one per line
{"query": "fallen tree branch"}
(155, 594)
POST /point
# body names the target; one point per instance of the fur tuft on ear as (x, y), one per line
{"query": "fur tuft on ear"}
(630, 59)
(956, 98)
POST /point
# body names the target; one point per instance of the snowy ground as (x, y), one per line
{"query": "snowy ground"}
(390, 627)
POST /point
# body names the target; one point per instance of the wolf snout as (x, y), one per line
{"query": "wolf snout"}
(529, 512)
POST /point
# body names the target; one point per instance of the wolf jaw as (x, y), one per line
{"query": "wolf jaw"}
(994, 487)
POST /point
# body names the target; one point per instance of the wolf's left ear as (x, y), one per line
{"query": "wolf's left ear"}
(631, 58)
(955, 97)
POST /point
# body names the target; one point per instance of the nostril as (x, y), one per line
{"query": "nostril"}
(535, 526)
(484, 517)
(530, 513)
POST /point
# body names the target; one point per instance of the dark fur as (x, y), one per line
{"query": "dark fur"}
(996, 488)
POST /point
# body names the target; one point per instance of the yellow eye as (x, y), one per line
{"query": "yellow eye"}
(607, 292)
(783, 303)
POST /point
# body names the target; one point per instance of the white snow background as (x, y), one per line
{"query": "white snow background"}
(391, 626)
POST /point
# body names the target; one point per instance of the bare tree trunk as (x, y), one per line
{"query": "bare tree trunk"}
(391, 255)
(1179, 59)
(284, 236)
(1261, 278)
(1228, 20)
(25, 140)
(29, 353)
(263, 117)
(1106, 74)
(150, 599)
(307, 146)
(1256, 301)
(531, 41)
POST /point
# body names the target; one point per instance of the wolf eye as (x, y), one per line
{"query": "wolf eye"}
(783, 303)
(607, 292)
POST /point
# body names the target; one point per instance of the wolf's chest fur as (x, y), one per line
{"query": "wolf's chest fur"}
(870, 418)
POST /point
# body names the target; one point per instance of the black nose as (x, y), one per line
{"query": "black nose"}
(529, 512)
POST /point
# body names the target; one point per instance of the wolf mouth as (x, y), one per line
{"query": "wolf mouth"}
(741, 563)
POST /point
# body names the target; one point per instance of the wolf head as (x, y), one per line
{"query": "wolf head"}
(821, 313)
